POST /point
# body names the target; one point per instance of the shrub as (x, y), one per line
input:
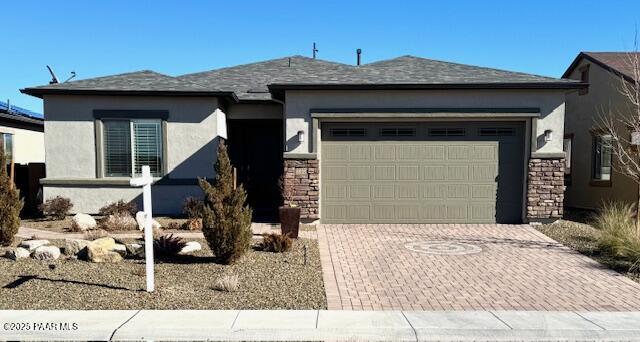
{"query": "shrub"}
(226, 220)
(277, 243)
(228, 283)
(168, 245)
(57, 207)
(174, 225)
(192, 208)
(10, 205)
(193, 224)
(118, 221)
(95, 234)
(620, 236)
(119, 208)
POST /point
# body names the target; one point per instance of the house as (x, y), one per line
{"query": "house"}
(590, 178)
(21, 134)
(402, 140)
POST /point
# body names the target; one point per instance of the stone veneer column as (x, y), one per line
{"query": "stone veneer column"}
(545, 189)
(303, 178)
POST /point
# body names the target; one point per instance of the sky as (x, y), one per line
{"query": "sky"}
(177, 37)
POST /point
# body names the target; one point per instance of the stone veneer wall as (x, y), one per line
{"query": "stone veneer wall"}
(545, 189)
(302, 178)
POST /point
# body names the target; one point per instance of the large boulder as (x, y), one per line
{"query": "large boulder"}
(99, 254)
(17, 253)
(31, 245)
(120, 249)
(135, 249)
(107, 243)
(140, 220)
(191, 246)
(74, 246)
(46, 253)
(82, 222)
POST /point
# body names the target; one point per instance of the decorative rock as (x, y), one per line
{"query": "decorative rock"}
(140, 220)
(301, 181)
(135, 249)
(18, 253)
(99, 254)
(84, 222)
(545, 189)
(31, 245)
(120, 249)
(74, 246)
(106, 243)
(46, 253)
(192, 246)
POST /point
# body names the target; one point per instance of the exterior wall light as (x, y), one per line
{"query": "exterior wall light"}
(548, 135)
(300, 136)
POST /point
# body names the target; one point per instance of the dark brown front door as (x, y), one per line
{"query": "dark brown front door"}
(255, 149)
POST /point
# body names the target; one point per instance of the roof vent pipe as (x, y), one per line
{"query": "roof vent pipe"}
(358, 53)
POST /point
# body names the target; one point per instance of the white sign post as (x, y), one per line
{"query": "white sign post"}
(145, 182)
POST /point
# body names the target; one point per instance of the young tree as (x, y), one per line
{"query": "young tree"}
(622, 123)
(10, 204)
(226, 219)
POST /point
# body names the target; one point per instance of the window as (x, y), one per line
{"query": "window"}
(496, 132)
(130, 144)
(6, 142)
(584, 77)
(398, 132)
(566, 147)
(601, 157)
(446, 132)
(348, 132)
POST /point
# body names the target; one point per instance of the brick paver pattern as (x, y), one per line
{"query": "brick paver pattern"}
(367, 267)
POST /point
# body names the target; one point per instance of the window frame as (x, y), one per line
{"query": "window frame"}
(595, 136)
(3, 136)
(101, 146)
(568, 169)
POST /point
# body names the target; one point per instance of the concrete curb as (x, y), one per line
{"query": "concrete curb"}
(319, 325)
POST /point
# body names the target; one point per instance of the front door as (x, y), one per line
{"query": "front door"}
(255, 150)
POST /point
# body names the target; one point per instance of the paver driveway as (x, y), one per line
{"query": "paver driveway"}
(510, 267)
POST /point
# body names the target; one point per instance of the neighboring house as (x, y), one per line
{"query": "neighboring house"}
(591, 179)
(21, 134)
(401, 140)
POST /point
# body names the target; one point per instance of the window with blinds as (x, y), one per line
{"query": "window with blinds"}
(130, 144)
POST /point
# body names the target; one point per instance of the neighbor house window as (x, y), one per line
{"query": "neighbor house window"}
(584, 77)
(130, 144)
(6, 140)
(566, 147)
(602, 157)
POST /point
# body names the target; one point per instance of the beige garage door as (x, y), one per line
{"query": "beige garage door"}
(447, 172)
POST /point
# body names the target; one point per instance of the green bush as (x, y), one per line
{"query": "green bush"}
(10, 205)
(619, 235)
(57, 207)
(226, 219)
(119, 208)
(276, 243)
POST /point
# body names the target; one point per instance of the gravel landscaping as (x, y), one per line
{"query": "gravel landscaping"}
(265, 281)
(64, 226)
(583, 238)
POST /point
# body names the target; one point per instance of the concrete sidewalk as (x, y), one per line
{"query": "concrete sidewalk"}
(314, 325)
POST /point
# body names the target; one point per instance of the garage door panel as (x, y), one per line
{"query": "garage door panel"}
(423, 178)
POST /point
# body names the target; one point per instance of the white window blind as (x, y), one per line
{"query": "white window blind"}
(130, 144)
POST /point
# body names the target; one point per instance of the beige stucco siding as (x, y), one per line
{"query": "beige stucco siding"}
(71, 145)
(267, 110)
(300, 103)
(28, 145)
(583, 114)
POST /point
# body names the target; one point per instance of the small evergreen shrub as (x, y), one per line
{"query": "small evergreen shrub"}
(276, 243)
(119, 208)
(193, 207)
(168, 245)
(10, 205)
(226, 219)
(57, 207)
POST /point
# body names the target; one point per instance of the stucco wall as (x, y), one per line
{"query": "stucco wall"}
(583, 114)
(71, 144)
(299, 103)
(28, 146)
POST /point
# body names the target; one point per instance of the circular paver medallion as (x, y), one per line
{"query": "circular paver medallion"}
(443, 247)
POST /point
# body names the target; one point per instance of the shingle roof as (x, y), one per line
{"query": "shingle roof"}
(255, 80)
(139, 81)
(16, 113)
(618, 62)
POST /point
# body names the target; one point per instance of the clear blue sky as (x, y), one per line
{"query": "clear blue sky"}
(175, 37)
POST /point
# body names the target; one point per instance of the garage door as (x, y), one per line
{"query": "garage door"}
(445, 172)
